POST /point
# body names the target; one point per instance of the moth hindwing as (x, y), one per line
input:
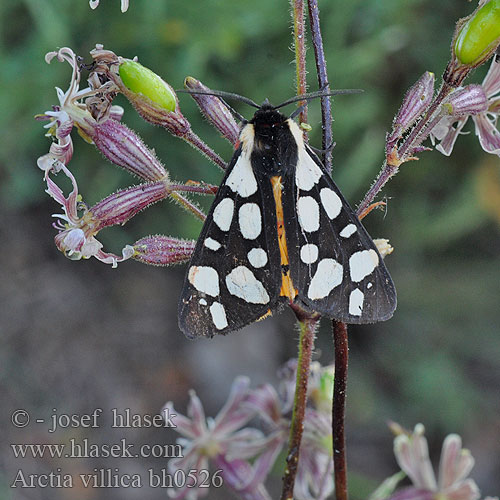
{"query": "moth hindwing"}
(280, 231)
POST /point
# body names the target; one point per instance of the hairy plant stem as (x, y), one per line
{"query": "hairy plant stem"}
(299, 43)
(192, 139)
(338, 408)
(188, 205)
(307, 325)
(326, 108)
(201, 188)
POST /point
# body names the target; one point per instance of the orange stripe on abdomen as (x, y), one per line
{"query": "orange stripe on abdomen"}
(287, 288)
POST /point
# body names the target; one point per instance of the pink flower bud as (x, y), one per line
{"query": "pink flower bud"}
(124, 148)
(465, 101)
(162, 250)
(415, 103)
(121, 206)
(214, 110)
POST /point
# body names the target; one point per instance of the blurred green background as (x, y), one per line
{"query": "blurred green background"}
(79, 335)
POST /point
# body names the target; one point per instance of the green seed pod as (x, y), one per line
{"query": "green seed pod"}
(478, 34)
(142, 80)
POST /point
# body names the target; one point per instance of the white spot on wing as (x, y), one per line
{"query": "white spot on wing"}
(356, 299)
(362, 264)
(205, 279)
(349, 230)
(331, 202)
(257, 257)
(242, 179)
(308, 212)
(307, 173)
(212, 244)
(218, 315)
(203, 302)
(250, 220)
(223, 214)
(242, 283)
(328, 275)
(309, 253)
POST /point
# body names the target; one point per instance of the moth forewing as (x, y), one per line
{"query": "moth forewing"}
(232, 279)
(337, 268)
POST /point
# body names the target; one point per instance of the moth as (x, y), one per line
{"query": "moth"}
(279, 231)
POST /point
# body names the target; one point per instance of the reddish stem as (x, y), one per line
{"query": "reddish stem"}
(338, 408)
(299, 37)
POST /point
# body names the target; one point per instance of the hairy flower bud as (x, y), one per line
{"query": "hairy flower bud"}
(162, 250)
(214, 110)
(124, 148)
(480, 35)
(469, 100)
(415, 102)
(153, 98)
(121, 206)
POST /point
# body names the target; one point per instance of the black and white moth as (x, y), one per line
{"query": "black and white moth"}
(279, 231)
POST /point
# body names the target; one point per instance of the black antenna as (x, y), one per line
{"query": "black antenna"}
(298, 111)
(235, 113)
(221, 93)
(314, 95)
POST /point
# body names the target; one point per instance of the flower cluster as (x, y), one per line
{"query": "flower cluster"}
(445, 116)
(442, 117)
(98, 121)
(244, 440)
(412, 454)
(245, 455)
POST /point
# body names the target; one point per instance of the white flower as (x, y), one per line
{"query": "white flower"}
(412, 455)
(76, 232)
